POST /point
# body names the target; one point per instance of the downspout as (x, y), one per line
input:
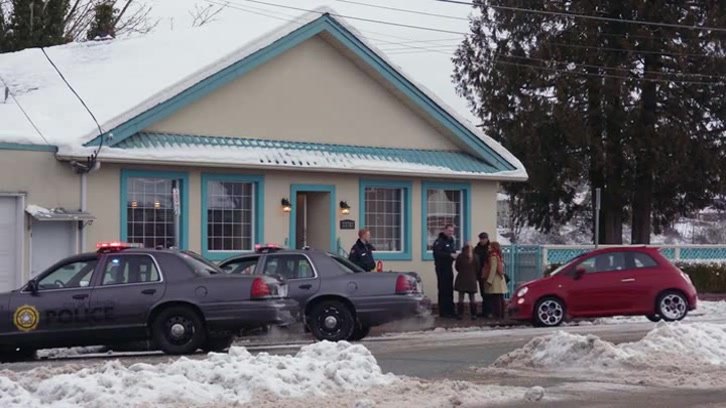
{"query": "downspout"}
(84, 208)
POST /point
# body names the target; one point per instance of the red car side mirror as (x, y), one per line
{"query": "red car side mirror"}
(579, 273)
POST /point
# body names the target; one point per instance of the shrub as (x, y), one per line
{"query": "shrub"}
(707, 278)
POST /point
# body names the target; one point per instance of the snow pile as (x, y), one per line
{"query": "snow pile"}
(416, 393)
(220, 379)
(668, 346)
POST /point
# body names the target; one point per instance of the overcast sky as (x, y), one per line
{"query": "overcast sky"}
(431, 66)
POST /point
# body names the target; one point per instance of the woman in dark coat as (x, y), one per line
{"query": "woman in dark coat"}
(466, 280)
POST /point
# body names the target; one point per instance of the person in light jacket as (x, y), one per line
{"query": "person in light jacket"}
(496, 284)
(466, 280)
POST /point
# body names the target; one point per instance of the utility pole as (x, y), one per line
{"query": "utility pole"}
(597, 217)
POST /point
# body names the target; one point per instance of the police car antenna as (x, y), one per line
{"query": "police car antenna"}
(92, 159)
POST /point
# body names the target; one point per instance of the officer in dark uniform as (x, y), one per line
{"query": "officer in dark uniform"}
(444, 256)
(362, 252)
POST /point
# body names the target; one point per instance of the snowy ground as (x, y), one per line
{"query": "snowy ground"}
(670, 355)
(322, 375)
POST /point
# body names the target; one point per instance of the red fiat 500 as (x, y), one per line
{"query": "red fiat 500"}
(607, 282)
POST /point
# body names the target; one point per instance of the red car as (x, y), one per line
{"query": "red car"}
(607, 282)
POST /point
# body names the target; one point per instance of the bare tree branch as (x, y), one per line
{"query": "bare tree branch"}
(202, 15)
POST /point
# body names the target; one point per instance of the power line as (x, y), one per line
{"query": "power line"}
(368, 20)
(585, 65)
(12, 95)
(72, 90)
(593, 74)
(427, 49)
(423, 13)
(587, 16)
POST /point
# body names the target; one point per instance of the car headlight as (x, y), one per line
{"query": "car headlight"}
(522, 291)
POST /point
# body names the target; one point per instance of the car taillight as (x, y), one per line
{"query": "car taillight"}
(405, 285)
(260, 289)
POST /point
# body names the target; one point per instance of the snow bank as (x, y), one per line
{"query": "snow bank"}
(672, 346)
(417, 393)
(319, 369)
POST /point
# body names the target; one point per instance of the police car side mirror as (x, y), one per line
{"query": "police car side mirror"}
(33, 286)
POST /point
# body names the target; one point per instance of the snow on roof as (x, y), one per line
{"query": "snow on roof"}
(122, 78)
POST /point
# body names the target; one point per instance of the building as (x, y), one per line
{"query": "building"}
(297, 137)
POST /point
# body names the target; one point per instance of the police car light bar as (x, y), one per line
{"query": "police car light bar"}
(265, 248)
(116, 246)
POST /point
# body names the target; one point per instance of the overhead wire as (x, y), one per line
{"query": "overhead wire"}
(415, 49)
(587, 16)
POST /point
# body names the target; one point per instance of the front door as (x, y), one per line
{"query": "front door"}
(127, 288)
(60, 307)
(312, 216)
(298, 271)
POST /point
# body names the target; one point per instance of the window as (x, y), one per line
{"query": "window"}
(614, 261)
(444, 206)
(123, 269)
(384, 208)
(230, 216)
(289, 266)
(72, 275)
(245, 266)
(153, 209)
(642, 260)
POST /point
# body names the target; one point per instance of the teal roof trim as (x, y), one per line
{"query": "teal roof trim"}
(452, 160)
(328, 24)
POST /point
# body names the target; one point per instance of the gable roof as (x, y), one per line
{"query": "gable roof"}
(127, 119)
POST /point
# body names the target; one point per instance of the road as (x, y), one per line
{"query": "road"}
(454, 355)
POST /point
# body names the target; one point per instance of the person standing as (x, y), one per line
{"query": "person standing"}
(466, 280)
(481, 253)
(496, 285)
(444, 254)
(361, 253)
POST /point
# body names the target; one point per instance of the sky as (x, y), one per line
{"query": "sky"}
(423, 54)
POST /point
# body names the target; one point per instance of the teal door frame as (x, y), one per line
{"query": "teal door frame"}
(312, 188)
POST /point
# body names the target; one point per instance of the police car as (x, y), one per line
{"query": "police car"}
(123, 292)
(338, 300)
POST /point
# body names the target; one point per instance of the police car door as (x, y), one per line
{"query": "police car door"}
(128, 286)
(297, 270)
(58, 313)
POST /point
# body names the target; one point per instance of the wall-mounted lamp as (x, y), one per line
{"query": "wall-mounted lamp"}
(344, 208)
(286, 206)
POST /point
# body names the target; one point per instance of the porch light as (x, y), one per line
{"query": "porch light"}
(286, 206)
(344, 208)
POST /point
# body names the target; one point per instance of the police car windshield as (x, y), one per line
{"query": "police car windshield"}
(347, 265)
(200, 264)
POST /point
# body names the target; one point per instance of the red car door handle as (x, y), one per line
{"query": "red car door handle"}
(80, 297)
(628, 280)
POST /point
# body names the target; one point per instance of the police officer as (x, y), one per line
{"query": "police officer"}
(362, 252)
(444, 256)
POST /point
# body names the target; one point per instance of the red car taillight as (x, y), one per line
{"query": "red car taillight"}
(260, 289)
(406, 285)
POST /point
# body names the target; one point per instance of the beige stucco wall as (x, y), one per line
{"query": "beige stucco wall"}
(44, 181)
(309, 93)
(103, 201)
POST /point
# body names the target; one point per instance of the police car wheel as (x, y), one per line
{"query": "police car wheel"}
(331, 320)
(360, 332)
(12, 356)
(178, 330)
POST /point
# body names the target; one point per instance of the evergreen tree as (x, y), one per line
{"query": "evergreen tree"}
(636, 110)
(36, 23)
(104, 21)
